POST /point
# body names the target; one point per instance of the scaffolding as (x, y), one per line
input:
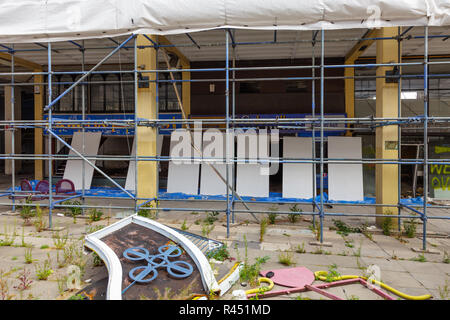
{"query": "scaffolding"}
(318, 124)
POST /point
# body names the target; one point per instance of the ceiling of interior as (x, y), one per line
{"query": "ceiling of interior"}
(210, 46)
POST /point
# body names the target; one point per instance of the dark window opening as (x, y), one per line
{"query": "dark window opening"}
(250, 87)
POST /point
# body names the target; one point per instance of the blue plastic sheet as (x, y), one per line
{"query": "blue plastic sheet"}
(274, 196)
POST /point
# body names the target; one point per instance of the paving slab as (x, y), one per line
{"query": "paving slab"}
(396, 279)
(430, 281)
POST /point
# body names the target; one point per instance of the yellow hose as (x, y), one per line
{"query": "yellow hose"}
(263, 288)
(322, 275)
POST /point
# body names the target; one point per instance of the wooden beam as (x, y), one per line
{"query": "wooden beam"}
(164, 41)
(19, 61)
(359, 48)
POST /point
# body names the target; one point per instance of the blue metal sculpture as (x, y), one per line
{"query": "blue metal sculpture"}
(145, 274)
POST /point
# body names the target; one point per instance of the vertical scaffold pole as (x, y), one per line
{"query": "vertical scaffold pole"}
(227, 115)
(399, 131)
(50, 181)
(13, 133)
(313, 107)
(135, 66)
(322, 75)
(83, 130)
(425, 141)
(233, 116)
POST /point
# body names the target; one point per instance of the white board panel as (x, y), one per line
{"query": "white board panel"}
(74, 168)
(214, 147)
(252, 179)
(345, 181)
(183, 176)
(297, 177)
(130, 182)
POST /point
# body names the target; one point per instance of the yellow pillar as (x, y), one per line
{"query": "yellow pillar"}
(186, 90)
(386, 136)
(147, 173)
(349, 92)
(38, 132)
(17, 132)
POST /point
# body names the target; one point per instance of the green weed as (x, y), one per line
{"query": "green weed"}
(286, 258)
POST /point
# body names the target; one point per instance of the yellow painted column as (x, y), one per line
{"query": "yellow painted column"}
(186, 90)
(38, 132)
(386, 136)
(17, 132)
(349, 92)
(147, 172)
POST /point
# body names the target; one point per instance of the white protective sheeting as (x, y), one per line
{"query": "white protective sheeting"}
(58, 20)
(130, 182)
(74, 168)
(345, 181)
(214, 147)
(252, 179)
(183, 175)
(297, 177)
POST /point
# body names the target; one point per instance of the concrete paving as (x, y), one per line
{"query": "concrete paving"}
(400, 267)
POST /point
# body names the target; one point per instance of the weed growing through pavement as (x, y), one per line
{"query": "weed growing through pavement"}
(295, 215)
(250, 272)
(61, 281)
(60, 241)
(43, 271)
(446, 258)
(97, 261)
(39, 222)
(220, 254)
(444, 291)
(73, 210)
(184, 226)
(263, 228)
(272, 216)
(300, 248)
(410, 227)
(332, 273)
(357, 253)
(211, 217)
(26, 212)
(23, 243)
(4, 287)
(419, 258)
(148, 213)
(387, 225)
(286, 258)
(95, 215)
(8, 240)
(24, 281)
(28, 256)
(206, 229)
(315, 228)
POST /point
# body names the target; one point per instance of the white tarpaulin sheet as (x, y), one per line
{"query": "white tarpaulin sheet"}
(74, 168)
(58, 20)
(345, 181)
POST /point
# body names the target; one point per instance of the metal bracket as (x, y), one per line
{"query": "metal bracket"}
(393, 76)
(143, 81)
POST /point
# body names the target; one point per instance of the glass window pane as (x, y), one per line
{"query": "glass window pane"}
(97, 93)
